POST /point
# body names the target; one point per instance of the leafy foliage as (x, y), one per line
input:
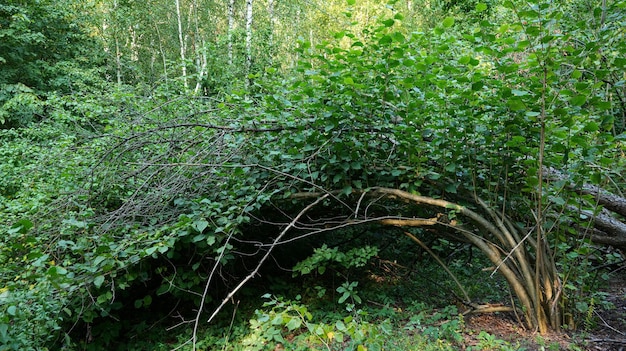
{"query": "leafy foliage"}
(119, 198)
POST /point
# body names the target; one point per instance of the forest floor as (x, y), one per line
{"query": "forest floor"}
(608, 334)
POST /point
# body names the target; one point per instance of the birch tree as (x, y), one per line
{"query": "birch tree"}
(181, 43)
(270, 12)
(248, 39)
(231, 25)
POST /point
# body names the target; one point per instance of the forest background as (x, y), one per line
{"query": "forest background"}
(197, 174)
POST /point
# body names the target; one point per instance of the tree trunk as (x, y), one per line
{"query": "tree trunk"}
(181, 43)
(500, 236)
(231, 25)
(270, 13)
(199, 49)
(248, 40)
(609, 228)
(162, 50)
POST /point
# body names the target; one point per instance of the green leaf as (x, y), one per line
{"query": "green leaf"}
(344, 297)
(516, 104)
(12, 310)
(464, 60)
(591, 127)
(578, 100)
(387, 39)
(451, 188)
(21, 226)
(388, 23)
(351, 2)
(347, 190)
(210, 240)
(398, 37)
(480, 7)
(448, 22)
(293, 324)
(98, 281)
(200, 225)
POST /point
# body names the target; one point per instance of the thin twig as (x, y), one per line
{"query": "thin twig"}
(252, 274)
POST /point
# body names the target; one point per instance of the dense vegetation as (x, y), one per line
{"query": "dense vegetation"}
(318, 175)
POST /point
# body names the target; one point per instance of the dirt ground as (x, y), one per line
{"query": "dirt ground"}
(609, 334)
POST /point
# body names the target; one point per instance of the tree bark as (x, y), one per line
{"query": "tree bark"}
(248, 40)
(541, 311)
(270, 13)
(181, 43)
(231, 26)
(608, 229)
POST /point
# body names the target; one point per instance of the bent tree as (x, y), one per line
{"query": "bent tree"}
(446, 133)
(454, 131)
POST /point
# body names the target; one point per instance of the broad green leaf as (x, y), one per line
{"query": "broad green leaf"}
(388, 23)
(398, 37)
(12, 310)
(293, 324)
(578, 100)
(98, 281)
(516, 104)
(351, 2)
(448, 22)
(200, 225)
(519, 92)
(210, 240)
(347, 190)
(591, 127)
(385, 40)
(451, 188)
(464, 60)
(21, 226)
(480, 7)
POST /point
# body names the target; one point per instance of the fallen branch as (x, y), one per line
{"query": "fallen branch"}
(253, 273)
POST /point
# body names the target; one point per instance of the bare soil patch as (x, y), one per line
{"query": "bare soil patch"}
(609, 334)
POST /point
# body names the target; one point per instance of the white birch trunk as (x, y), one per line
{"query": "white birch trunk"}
(134, 46)
(199, 48)
(270, 12)
(296, 58)
(182, 43)
(162, 50)
(118, 52)
(248, 39)
(118, 60)
(231, 25)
